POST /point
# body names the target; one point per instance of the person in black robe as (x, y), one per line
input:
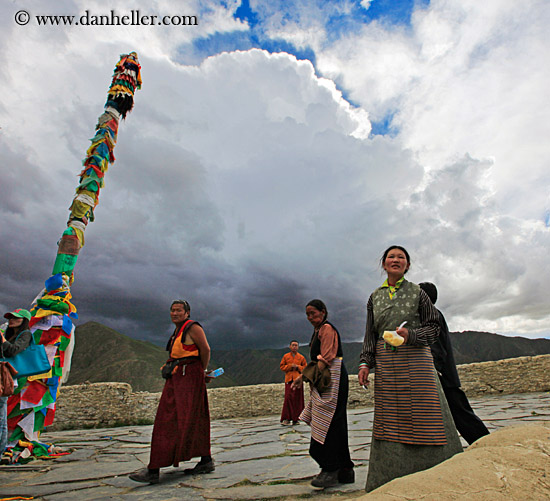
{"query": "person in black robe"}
(467, 423)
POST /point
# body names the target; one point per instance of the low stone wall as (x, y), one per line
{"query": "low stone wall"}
(110, 404)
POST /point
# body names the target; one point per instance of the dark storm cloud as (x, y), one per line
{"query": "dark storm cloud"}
(243, 186)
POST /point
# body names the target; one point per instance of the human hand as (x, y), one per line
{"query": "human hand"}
(364, 376)
(207, 377)
(403, 332)
(297, 383)
(321, 362)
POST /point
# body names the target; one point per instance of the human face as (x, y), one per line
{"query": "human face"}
(14, 322)
(178, 314)
(315, 316)
(294, 347)
(396, 264)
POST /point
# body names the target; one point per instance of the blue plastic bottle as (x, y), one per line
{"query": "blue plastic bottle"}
(216, 373)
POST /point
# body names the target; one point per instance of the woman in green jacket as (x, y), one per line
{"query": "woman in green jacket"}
(413, 428)
(14, 340)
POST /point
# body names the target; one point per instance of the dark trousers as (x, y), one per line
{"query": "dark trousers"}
(334, 453)
(467, 423)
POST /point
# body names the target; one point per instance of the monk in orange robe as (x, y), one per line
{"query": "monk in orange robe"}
(292, 364)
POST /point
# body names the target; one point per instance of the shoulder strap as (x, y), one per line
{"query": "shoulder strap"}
(23, 332)
(16, 338)
(185, 326)
(174, 336)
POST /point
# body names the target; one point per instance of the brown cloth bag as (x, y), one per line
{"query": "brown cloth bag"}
(7, 373)
(319, 379)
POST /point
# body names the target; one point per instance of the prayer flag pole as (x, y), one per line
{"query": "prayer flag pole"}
(32, 406)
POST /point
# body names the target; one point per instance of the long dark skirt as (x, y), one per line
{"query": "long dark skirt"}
(389, 460)
(182, 423)
(293, 404)
(334, 453)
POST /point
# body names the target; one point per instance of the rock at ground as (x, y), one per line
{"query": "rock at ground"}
(509, 464)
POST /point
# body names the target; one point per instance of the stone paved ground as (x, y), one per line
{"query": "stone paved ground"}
(255, 459)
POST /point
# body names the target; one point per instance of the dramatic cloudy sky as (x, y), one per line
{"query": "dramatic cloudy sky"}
(275, 150)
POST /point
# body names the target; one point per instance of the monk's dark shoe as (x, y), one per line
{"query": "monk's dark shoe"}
(325, 479)
(199, 469)
(346, 476)
(146, 476)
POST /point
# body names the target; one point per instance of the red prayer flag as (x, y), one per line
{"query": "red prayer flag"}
(34, 392)
(51, 336)
(13, 402)
(12, 423)
(48, 420)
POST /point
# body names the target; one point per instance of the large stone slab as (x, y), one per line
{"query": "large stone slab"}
(257, 451)
(45, 490)
(81, 471)
(259, 492)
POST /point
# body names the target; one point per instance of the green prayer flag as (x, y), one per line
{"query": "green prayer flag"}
(47, 399)
(52, 304)
(38, 422)
(63, 343)
(37, 335)
(64, 263)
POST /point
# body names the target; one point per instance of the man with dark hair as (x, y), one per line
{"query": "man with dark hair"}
(292, 364)
(182, 424)
(467, 423)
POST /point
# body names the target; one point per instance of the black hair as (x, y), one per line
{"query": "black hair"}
(12, 332)
(294, 341)
(318, 305)
(429, 289)
(387, 251)
(185, 304)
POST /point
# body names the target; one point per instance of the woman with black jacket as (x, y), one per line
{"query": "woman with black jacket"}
(14, 340)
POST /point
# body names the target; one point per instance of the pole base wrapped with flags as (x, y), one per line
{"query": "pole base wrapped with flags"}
(32, 406)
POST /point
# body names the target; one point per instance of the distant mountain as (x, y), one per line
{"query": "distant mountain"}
(102, 354)
(471, 346)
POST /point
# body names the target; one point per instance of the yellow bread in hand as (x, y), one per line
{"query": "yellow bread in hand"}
(393, 338)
